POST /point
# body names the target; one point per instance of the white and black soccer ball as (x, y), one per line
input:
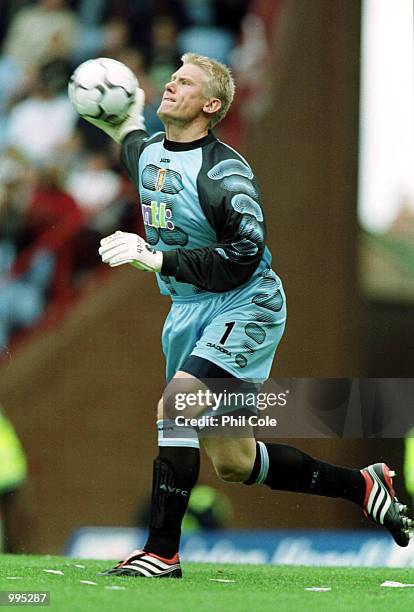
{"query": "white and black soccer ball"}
(103, 89)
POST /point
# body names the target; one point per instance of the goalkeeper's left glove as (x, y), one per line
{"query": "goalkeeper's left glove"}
(124, 247)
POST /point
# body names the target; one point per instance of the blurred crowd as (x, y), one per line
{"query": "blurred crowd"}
(61, 187)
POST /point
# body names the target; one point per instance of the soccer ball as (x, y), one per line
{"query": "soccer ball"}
(103, 89)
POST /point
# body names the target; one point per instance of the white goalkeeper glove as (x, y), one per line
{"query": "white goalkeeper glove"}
(134, 120)
(124, 247)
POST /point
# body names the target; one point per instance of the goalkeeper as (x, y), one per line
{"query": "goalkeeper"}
(205, 241)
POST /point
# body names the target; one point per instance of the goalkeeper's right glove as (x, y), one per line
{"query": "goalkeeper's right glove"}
(123, 247)
(133, 121)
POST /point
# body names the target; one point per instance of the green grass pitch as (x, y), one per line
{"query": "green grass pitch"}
(252, 587)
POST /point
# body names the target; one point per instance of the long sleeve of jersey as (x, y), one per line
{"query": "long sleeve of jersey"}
(232, 207)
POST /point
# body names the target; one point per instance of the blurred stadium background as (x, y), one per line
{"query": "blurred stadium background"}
(73, 380)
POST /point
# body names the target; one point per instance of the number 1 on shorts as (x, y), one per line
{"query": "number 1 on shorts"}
(229, 326)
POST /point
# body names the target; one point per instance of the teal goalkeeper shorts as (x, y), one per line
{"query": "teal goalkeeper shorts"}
(238, 330)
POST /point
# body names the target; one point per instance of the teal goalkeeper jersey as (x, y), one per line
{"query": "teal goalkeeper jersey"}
(202, 207)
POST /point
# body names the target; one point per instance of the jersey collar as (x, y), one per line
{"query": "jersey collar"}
(171, 145)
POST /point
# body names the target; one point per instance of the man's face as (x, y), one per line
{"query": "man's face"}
(184, 96)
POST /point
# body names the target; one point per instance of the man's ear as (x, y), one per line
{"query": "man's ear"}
(212, 106)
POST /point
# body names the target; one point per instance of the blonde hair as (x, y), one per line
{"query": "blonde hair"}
(220, 82)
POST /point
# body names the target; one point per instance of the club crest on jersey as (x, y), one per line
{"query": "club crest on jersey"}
(157, 215)
(160, 179)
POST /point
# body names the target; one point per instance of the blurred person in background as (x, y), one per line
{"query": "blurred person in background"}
(40, 32)
(138, 15)
(162, 59)
(163, 56)
(53, 223)
(49, 204)
(211, 27)
(116, 36)
(135, 60)
(41, 123)
(93, 184)
(35, 34)
(13, 473)
(22, 296)
(105, 40)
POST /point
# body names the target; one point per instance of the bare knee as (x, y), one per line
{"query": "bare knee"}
(232, 458)
(233, 469)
